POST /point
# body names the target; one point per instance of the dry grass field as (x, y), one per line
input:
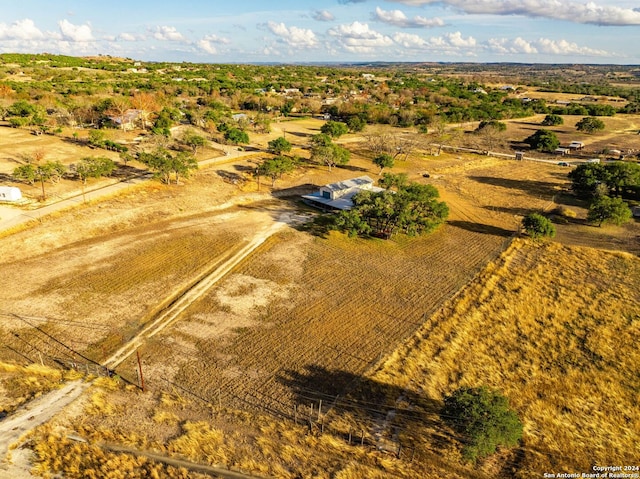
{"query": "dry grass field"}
(308, 316)
(553, 327)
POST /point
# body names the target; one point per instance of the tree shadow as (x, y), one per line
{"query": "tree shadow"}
(352, 168)
(510, 211)
(481, 228)
(319, 226)
(374, 406)
(6, 178)
(531, 187)
(299, 134)
(123, 171)
(231, 177)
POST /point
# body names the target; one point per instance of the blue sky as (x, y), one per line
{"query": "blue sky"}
(213, 31)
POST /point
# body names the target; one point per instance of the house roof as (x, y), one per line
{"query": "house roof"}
(349, 187)
(358, 182)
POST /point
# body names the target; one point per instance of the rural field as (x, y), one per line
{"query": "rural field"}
(319, 355)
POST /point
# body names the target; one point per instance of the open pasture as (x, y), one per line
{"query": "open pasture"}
(333, 303)
(553, 327)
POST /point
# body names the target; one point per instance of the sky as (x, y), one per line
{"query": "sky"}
(300, 31)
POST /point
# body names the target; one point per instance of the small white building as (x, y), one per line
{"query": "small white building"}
(338, 196)
(576, 145)
(10, 193)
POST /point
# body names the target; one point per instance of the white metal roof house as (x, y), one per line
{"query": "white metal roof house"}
(338, 196)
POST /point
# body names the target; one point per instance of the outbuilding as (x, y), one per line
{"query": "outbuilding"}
(10, 193)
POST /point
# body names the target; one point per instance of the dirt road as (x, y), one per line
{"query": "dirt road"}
(167, 316)
(33, 414)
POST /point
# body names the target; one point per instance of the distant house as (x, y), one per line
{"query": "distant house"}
(576, 145)
(127, 121)
(239, 117)
(338, 196)
(562, 151)
(636, 211)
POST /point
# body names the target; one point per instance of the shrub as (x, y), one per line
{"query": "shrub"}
(590, 124)
(538, 226)
(609, 210)
(552, 120)
(484, 418)
(543, 140)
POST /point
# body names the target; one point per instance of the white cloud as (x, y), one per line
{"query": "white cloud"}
(206, 44)
(166, 33)
(504, 46)
(359, 38)
(409, 40)
(399, 19)
(75, 33)
(20, 30)
(128, 37)
(563, 47)
(293, 36)
(207, 47)
(323, 16)
(575, 12)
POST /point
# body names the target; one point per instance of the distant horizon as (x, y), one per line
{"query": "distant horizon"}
(604, 32)
(338, 62)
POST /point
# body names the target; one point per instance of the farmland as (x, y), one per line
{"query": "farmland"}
(317, 354)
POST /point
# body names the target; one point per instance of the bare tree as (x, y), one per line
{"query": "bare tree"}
(146, 104)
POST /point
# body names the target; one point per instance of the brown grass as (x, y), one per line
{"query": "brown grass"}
(553, 328)
(19, 384)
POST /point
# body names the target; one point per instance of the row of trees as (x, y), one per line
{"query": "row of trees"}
(38, 171)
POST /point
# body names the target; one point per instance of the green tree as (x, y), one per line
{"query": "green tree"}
(22, 108)
(484, 418)
(622, 176)
(383, 161)
(334, 129)
(608, 210)
(352, 223)
(356, 124)
(279, 146)
(590, 124)
(543, 140)
(96, 138)
(236, 136)
(538, 226)
(586, 177)
(552, 120)
(495, 124)
(391, 181)
(275, 167)
(41, 172)
(163, 164)
(287, 107)
(94, 167)
(412, 209)
(193, 140)
(331, 155)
